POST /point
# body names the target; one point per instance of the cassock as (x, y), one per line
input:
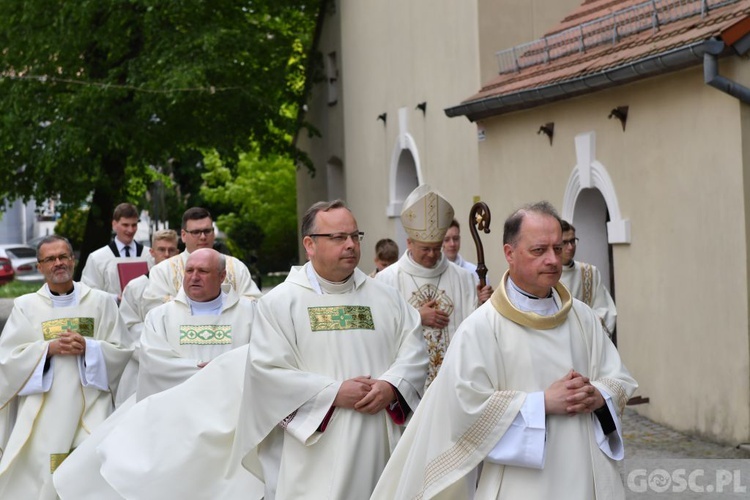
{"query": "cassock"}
(133, 313)
(585, 284)
(309, 336)
(452, 286)
(175, 339)
(100, 271)
(165, 280)
(174, 444)
(500, 360)
(48, 410)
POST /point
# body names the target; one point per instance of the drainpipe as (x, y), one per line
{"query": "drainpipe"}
(713, 49)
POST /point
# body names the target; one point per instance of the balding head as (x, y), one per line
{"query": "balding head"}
(205, 271)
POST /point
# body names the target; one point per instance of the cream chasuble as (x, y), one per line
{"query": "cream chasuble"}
(133, 313)
(452, 286)
(38, 431)
(174, 444)
(304, 345)
(174, 340)
(165, 280)
(585, 283)
(100, 271)
(498, 356)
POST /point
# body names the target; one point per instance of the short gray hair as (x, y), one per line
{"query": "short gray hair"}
(51, 239)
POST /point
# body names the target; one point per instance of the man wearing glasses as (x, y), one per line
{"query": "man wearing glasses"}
(336, 364)
(100, 271)
(443, 293)
(61, 355)
(585, 282)
(165, 279)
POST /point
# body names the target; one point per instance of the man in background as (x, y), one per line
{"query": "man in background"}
(386, 253)
(133, 311)
(165, 279)
(585, 282)
(100, 271)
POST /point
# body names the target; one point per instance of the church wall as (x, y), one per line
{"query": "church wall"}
(681, 284)
(397, 55)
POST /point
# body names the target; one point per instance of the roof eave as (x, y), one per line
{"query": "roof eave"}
(646, 67)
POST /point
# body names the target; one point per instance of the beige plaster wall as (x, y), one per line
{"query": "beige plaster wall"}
(396, 55)
(678, 171)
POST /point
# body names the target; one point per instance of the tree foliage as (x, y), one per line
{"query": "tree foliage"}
(100, 97)
(258, 201)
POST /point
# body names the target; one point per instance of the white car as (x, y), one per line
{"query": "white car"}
(23, 259)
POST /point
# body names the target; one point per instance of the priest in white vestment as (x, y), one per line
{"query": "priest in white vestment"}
(133, 312)
(531, 388)
(181, 442)
(100, 271)
(202, 322)
(584, 281)
(336, 364)
(61, 355)
(165, 279)
(443, 293)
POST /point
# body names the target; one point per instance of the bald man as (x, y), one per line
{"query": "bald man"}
(202, 322)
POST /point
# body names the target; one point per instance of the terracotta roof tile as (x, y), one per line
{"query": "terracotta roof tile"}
(628, 49)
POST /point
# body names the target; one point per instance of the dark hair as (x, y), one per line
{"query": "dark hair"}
(126, 210)
(386, 250)
(195, 213)
(454, 223)
(512, 226)
(51, 239)
(567, 226)
(308, 220)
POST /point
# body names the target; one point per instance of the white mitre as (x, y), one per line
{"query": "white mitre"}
(426, 215)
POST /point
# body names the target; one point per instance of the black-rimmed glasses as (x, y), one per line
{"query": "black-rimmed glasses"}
(340, 238)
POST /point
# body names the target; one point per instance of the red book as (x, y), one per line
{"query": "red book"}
(128, 271)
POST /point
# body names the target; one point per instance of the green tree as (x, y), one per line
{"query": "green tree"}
(259, 204)
(99, 97)
(71, 224)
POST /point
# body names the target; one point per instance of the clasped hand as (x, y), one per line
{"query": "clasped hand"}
(573, 394)
(365, 395)
(67, 344)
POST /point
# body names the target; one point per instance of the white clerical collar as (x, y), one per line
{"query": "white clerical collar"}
(210, 308)
(121, 247)
(69, 300)
(525, 302)
(459, 260)
(322, 285)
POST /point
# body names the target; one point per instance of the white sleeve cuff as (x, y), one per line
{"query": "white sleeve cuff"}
(612, 444)
(40, 381)
(523, 444)
(92, 368)
(308, 417)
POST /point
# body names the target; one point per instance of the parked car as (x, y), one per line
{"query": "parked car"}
(23, 260)
(6, 271)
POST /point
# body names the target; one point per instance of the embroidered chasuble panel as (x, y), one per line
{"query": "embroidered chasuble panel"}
(205, 334)
(437, 339)
(587, 284)
(54, 327)
(340, 318)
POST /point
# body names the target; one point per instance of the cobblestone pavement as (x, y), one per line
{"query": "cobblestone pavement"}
(647, 439)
